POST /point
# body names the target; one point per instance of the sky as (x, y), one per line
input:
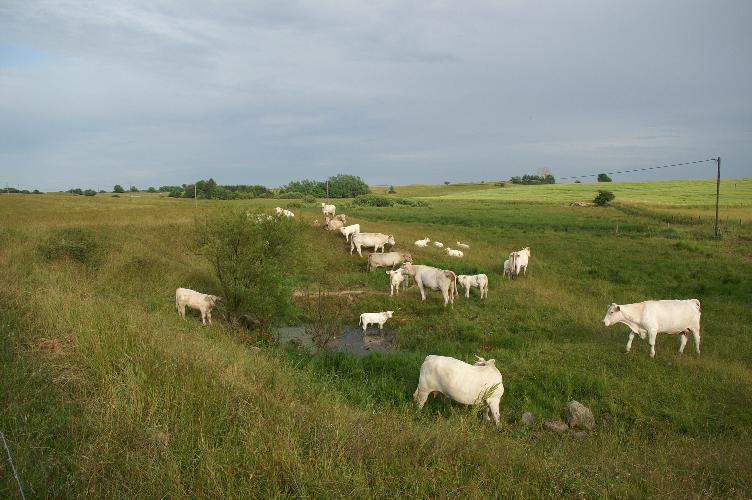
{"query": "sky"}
(149, 93)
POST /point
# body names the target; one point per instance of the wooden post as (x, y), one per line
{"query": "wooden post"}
(717, 195)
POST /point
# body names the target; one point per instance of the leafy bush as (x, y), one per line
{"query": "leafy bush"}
(339, 186)
(391, 190)
(75, 191)
(309, 199)
(118, 189)
(373, 200)
(603, 198)
(604, 178)
(294, 204)
(534, 179)
(75, 243)
(292, 195)
(116, 196)
(133, 189)
(90, 192)
(151, 190)
(250, 257)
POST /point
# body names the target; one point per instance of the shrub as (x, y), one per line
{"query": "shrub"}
(90, 192)
(391, 190)
(603, 198)
(151, 190)
(292, 195)
(294, 204)
(133, 189)
(118, 189)
(75, 243)
(74, 191)
(251, 258)
(309, 199)
(116, 196)
(373, 200)
(410, 202)
(604, 178)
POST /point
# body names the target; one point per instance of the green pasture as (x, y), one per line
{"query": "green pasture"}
(106, 392)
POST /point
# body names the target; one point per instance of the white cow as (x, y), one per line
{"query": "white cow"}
(370, 240)
(376, 318)
(328, 209)
(348, 231)
(332, 224)
(434, 279)
(469, 281)
(651, 317)
(422, 243)
(463, 245)
(341, 217)
(195, 300)
(508, 267)
(520, 260)
(396, 278)
(283, 212)
(480, 383)
(438, 244)
(454, 253)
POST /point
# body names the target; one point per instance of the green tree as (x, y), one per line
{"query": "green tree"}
(250, 257)
(604, 178)
(118, 189)
(603, 198)
(391, 190)
(151, 190)
(134, 189)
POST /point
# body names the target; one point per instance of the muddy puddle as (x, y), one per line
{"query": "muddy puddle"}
(350, 340)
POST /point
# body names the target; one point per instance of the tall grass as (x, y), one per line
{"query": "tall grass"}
(105, 391)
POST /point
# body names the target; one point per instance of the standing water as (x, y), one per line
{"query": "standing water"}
(350, 340)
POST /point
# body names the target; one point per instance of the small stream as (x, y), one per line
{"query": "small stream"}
(351, 340)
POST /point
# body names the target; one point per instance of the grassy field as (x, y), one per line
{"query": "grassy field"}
(105, 392)
(734, 192)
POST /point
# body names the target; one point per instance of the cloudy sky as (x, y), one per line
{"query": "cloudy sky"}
(166, 92)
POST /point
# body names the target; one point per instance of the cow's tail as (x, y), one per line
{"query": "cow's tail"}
(452, 283)
(177, 304)
(360, 320)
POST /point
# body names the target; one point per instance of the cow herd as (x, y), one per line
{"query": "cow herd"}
(481, 382)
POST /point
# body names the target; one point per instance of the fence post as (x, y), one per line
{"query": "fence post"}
(717, 195)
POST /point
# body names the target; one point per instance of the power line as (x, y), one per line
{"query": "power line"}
(638, 169)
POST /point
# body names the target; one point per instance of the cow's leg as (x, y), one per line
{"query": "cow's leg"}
(420, 397)
(422, 291)
(683, 341)
(651, 340)
(493, 404)
(208, 315)
(203, 317)
(629, 342)
(696, 334)
(467, 292)
(365, 327)
(181, 311)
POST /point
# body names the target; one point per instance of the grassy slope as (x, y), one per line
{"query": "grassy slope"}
(107, 391)
(413, 190)
(677, 192)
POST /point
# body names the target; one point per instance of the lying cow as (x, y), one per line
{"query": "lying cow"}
(469, 281)
(349, 231)
(434, 279)
(454, 253)
(388, 259)
(370, 240)
(651, 317)
(438, 244)
(333, 224)
(376, 318)
(463, 245)
(396, 278)
(202, 302)
(422, 243)
(480, 383)
(328, 209)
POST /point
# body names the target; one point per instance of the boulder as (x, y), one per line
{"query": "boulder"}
(579, 416)
(528, 419)
(555, 425)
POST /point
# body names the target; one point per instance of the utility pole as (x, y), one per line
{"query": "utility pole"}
(195, 200)
(327, 188)
(717, 195)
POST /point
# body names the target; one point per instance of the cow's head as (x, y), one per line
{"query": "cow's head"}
(212, 299)
(389, 314)
(484, 362)
(613, 315)
(390, 239)
(407, 268)
(407, 256)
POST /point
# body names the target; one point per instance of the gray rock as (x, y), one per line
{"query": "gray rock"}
(528, 419)
(555, 425)
(579, 416)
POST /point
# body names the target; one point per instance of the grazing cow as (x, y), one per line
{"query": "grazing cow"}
(469, 281)
(332, 224)
(349, 231)
(438, 244)
(390, 259)
(283, 212)
(195, 300)
(341, 217)
(649, 318)
(370, 240)
(376, 318)
(396, 278)
(520, 260)
(422, 243)
(328, 209)
(508, 266)
(463, 245)
(479, 383)
(454, 253)
(434, 279)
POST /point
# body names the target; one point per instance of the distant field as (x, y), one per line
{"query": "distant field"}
(418, 190)
(675, 192)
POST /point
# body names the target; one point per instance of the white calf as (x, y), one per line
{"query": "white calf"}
(185, 297)
(376, 318)
(396, 278)
(422, 243)
(454, 253)
(469, 281)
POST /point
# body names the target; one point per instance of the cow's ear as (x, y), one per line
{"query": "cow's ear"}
(617, 308)
(491, 362)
